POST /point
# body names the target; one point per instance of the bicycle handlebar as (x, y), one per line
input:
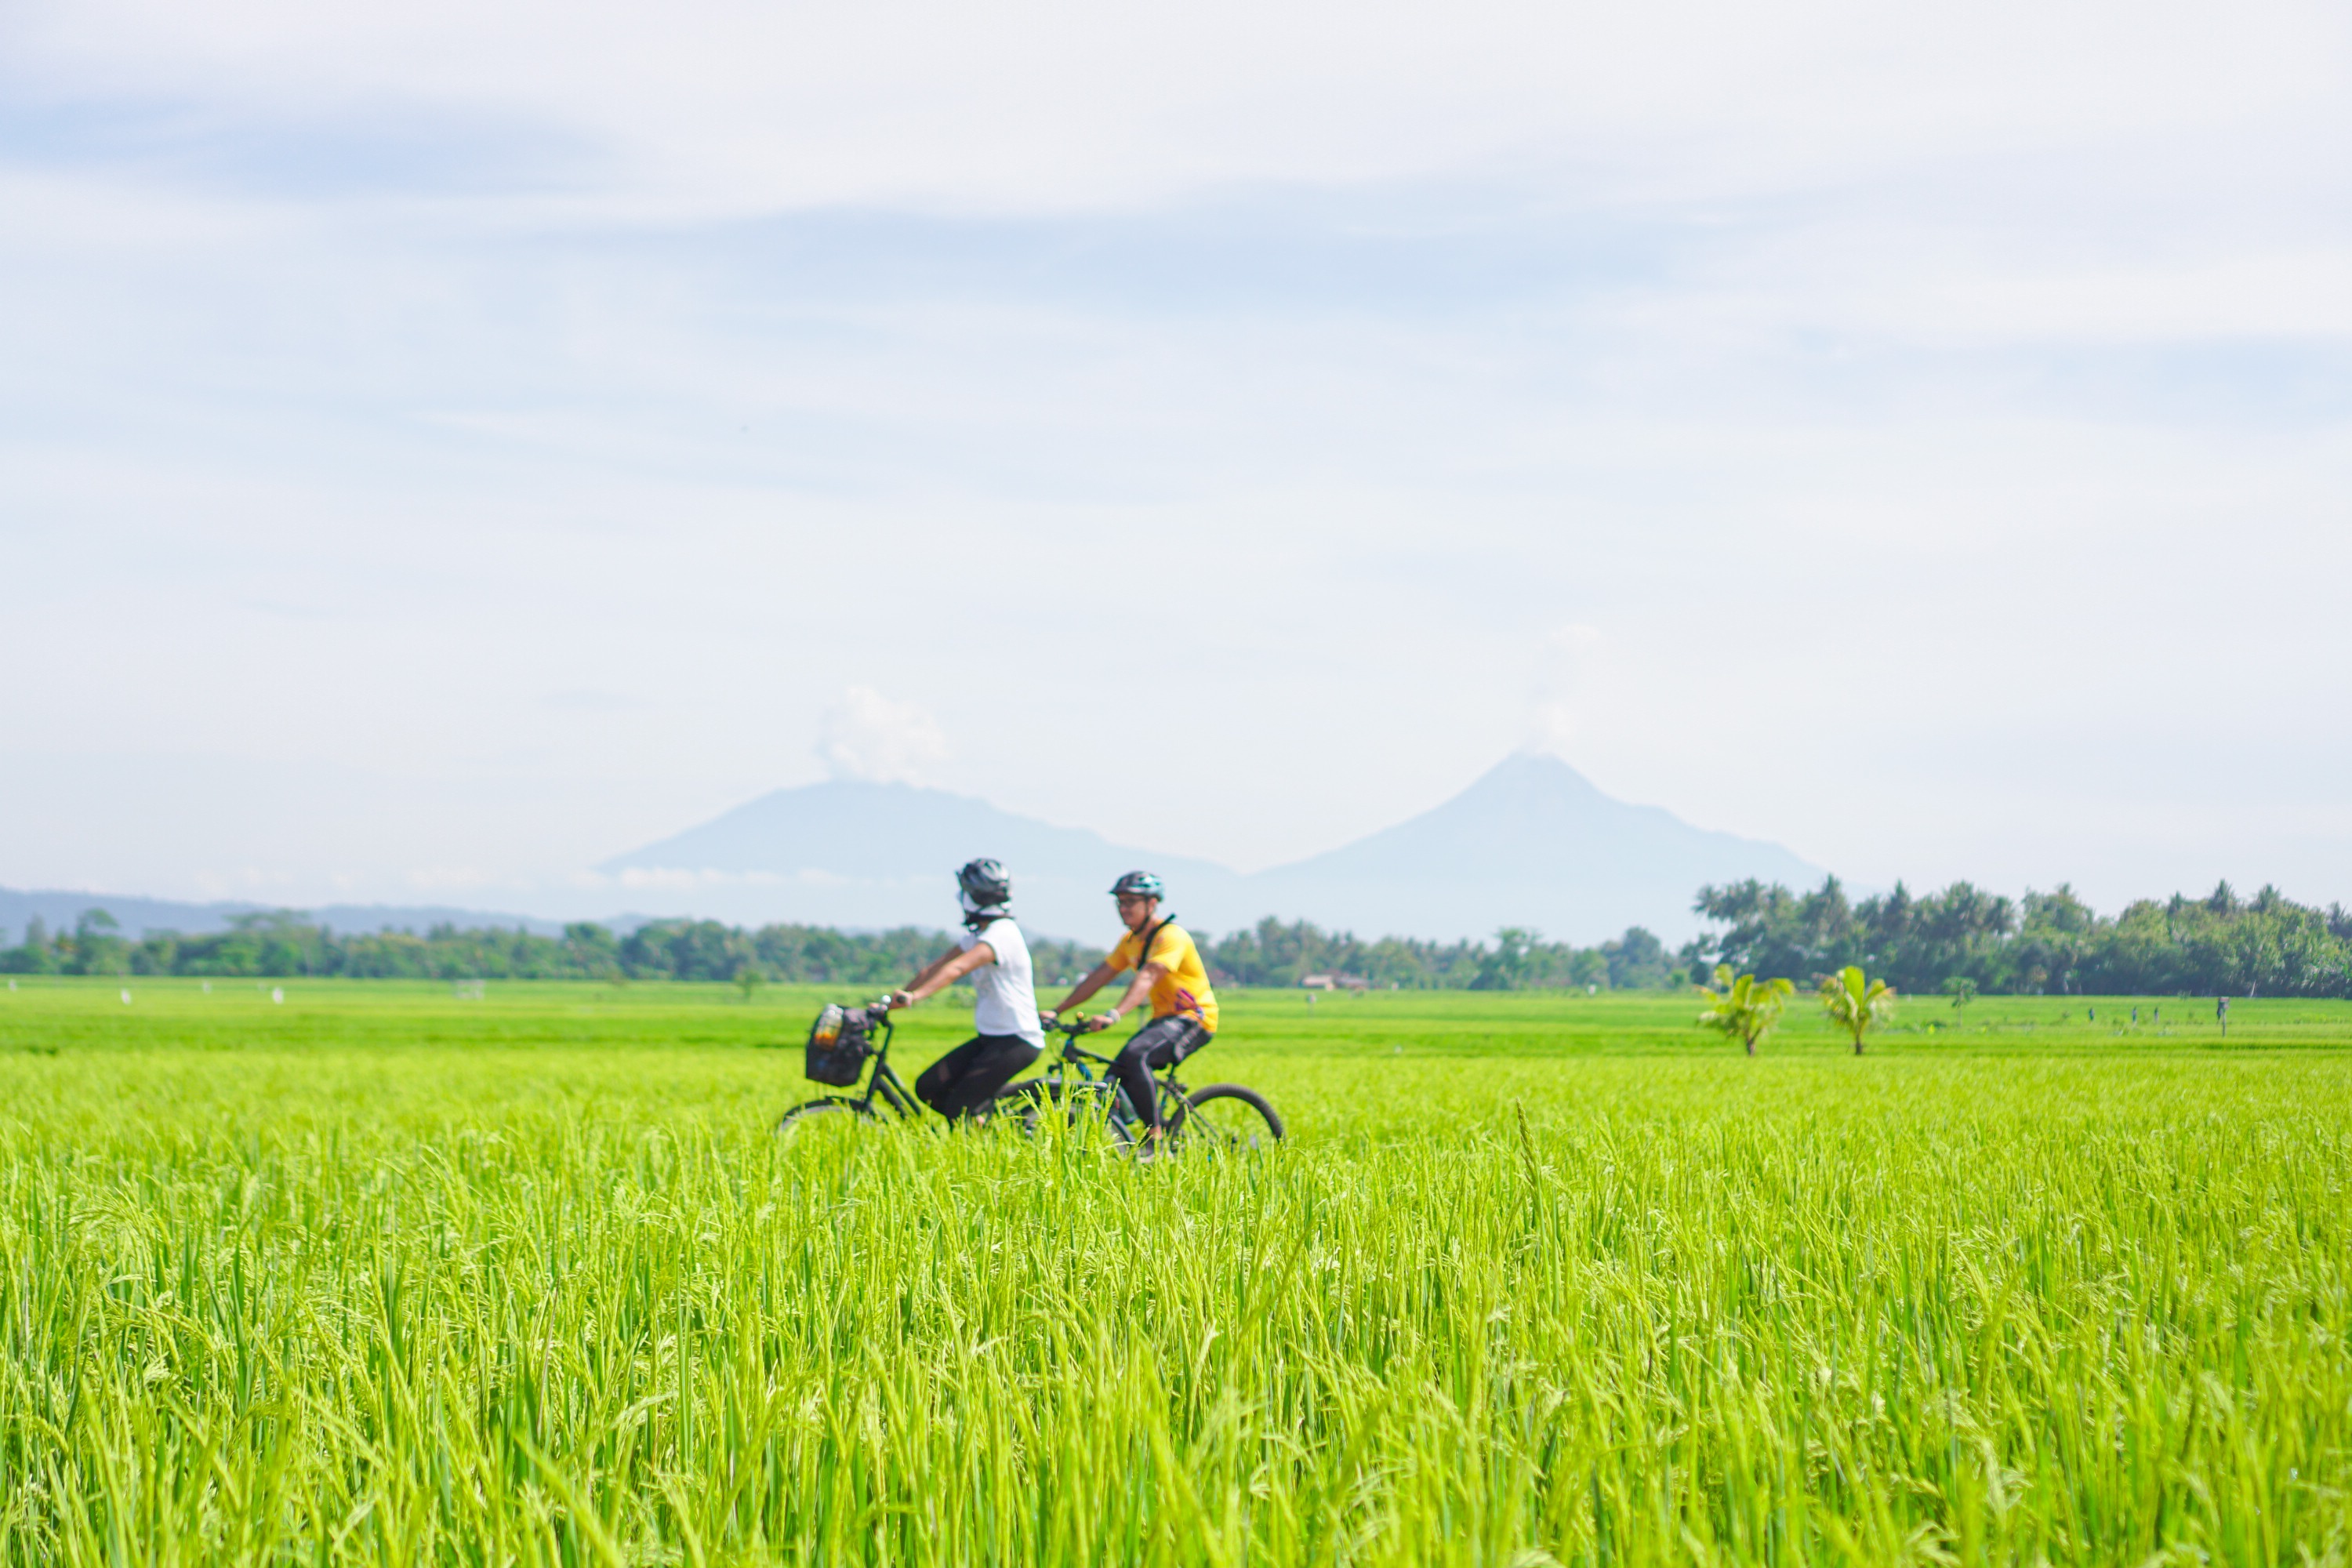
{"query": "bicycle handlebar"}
(1070, 1028)
(1072, 1025)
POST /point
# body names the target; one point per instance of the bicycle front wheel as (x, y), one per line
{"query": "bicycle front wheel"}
(1227, 1118)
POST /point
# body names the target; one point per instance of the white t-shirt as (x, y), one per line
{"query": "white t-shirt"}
(1008, 996)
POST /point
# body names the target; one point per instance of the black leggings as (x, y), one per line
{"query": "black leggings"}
(1159, 1043)
(967, 1078)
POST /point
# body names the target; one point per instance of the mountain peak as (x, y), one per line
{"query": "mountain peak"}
(862, 852)
(1536, 772)
(1532, 842)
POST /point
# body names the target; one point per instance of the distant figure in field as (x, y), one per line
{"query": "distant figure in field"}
(1005, 1036)
(1167, 969)
(2222, 1011)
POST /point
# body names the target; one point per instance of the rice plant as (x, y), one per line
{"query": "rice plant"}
(324, 1297)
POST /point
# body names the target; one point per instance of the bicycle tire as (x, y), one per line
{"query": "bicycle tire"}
(791, 1120)
(1228, 1117)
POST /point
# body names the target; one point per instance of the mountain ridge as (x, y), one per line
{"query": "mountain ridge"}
(1532, 842)
(138, 916)
(847, 852)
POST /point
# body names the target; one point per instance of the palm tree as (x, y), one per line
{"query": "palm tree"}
(1855, 1003)
(1745, 1008)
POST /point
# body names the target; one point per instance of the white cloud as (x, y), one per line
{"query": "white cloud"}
(735, 105)
(868, 736)
(1563, 659)
(450, 879)
(1277, 377)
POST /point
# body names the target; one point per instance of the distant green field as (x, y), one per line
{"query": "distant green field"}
(46, 1011)
(384, 1273)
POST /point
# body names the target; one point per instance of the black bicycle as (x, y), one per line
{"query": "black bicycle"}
(848, 1047)
(1216, 1118)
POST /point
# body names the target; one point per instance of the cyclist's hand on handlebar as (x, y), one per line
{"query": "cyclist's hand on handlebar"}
(1100, 1021)
(1048, 1019)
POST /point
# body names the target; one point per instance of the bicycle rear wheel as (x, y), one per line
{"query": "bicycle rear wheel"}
(1227, 1118)
(830, 1120)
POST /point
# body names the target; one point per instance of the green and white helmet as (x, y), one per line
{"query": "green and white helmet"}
(983, 884)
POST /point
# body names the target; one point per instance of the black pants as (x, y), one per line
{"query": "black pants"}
(967, 1078)
(1161, 1043)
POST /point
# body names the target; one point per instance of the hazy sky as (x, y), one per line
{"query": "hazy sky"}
(442, 446)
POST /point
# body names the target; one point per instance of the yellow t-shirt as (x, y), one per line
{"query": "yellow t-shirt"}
(1185, 987)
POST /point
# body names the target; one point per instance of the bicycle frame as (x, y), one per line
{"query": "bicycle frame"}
(1074, 1056)
(1073, 1059)
(880, 1087)
(884, 1084)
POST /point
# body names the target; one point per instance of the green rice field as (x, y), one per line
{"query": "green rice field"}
(391, 1274)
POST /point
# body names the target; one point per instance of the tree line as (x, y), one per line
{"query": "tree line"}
(1273, 953)
(285, 944)
(1270, 953)
(1964, 940)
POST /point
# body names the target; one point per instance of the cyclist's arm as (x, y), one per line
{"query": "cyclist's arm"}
(943, 971)
(1102, 975)
(1149, 975)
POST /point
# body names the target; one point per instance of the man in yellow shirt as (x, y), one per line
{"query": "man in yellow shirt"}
(1168, 970)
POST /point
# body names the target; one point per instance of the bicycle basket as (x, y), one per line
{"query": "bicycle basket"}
(837, 1046)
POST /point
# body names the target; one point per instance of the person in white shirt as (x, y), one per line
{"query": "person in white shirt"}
(1006, 1036)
